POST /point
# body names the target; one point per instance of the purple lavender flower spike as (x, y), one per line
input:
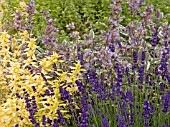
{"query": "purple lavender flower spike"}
(49, 121)
(61, 118)
(65, 95)
(84, 112)
(33, 88)
(162, 87)
(34, 105)
(80, 87)
(141, 73)
(43, 76)
(166, 102)
(154, 39)
(129, 95)
(135, 57)
(44, 120)
(121, 121)
(143, 57)
(32, 119)
(17, 95)
(156, 71)
(105, 122)
(55, 123)
(146, 112)
(146, 124)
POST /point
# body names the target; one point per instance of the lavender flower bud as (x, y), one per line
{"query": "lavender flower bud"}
(158, 13)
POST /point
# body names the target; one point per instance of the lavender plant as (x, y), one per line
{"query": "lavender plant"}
(122, 77)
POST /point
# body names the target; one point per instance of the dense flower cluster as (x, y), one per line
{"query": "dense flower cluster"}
(121, 77)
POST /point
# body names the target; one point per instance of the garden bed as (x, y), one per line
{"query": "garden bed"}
(94, 64)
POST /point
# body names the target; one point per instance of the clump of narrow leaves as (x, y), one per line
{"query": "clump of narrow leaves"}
(34, 90)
